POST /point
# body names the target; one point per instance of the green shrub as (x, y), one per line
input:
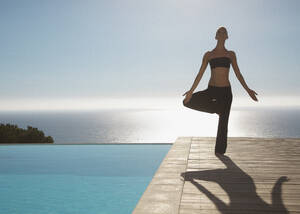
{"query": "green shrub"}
(13, 134)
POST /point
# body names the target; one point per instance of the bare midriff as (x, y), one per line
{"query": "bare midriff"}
(219, 77)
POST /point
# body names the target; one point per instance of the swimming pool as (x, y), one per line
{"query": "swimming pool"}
(73, 179)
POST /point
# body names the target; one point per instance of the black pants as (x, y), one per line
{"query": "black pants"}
(214, 100)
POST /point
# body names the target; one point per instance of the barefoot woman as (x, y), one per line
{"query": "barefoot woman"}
(217, 98)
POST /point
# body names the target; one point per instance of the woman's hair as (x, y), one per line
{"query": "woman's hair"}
(221, 28)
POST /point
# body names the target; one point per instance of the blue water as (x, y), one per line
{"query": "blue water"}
(56, 179)
(154, 126)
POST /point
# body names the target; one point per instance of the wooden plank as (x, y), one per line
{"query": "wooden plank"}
(163, 194)
(257, 175)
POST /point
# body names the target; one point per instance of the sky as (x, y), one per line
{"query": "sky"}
(76, 53)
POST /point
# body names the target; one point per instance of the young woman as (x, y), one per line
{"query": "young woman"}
(217, 98)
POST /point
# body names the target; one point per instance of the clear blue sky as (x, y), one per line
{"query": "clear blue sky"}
(90, 48)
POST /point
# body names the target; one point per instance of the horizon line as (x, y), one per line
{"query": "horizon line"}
(102, 103)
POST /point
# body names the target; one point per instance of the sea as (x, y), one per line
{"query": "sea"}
(144, 125)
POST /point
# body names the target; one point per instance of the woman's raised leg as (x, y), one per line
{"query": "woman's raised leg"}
(202, 101)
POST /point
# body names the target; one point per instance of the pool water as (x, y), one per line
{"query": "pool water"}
(73, 179)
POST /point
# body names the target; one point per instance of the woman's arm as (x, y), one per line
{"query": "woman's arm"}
(237, 71)
(240, 76)
(201, 71)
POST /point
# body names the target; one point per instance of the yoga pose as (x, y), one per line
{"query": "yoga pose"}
(217, 98)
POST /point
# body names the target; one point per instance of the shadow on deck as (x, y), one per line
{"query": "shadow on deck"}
(240, 188)
(257, 175)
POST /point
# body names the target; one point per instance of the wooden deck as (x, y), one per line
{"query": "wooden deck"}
(257, 175)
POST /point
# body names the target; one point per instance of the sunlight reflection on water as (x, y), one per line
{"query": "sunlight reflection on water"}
(155, 125)
(167, 125)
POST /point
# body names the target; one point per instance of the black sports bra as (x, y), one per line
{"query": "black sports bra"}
(219, 62)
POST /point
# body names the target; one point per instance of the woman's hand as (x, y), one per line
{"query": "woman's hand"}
(187, 97)
(252, 94)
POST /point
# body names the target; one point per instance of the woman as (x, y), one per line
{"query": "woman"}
(217, 98)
